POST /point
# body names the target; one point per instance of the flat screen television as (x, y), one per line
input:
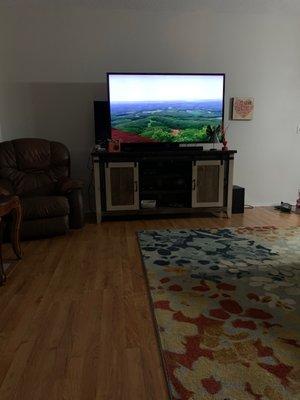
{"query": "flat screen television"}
(165, 108)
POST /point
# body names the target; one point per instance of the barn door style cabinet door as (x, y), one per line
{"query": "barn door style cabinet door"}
(122, 186)
(208, 183)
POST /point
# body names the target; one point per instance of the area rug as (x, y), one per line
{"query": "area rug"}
(226, 307)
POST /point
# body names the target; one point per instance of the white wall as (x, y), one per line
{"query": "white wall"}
(54, 58)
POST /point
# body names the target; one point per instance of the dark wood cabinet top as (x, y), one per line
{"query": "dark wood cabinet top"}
(171, 154)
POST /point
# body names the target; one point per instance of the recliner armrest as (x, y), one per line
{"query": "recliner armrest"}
(66, 185)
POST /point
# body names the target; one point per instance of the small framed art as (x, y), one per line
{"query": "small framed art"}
(242, 108)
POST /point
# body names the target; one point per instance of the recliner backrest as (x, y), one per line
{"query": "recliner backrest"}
(33, 166)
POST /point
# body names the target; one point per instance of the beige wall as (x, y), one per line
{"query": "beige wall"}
(54, 59)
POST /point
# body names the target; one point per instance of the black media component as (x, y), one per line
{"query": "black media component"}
(238, 200)
(102, 121)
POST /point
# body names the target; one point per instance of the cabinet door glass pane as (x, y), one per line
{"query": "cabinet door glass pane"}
(122, 186)
(208, 183)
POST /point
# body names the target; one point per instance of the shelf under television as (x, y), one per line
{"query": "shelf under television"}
(169, 176)
(163, 211)
(158, 191)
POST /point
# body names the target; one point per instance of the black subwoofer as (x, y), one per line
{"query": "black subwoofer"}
(238, 200)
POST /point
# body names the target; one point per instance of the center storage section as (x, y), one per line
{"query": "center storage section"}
(165, 183)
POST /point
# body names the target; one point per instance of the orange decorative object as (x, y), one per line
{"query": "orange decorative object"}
(114, 146)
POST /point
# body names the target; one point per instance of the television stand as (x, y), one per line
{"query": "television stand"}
(182, 181)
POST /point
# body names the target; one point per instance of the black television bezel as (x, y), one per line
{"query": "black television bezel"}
(169, 74)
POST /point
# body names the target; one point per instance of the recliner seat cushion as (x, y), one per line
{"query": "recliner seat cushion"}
(44, 207)
(42, 228)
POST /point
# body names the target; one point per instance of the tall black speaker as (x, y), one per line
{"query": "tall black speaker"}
(238, 200)
(102, 121)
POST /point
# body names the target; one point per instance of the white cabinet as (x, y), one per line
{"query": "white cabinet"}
(180, 182)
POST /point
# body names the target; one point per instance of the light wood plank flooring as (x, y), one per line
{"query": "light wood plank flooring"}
(75, 322)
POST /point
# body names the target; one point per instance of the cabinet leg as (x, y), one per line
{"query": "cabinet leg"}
(230, 187)
(98, 217)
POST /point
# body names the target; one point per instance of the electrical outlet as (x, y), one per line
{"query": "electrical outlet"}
(298, 129)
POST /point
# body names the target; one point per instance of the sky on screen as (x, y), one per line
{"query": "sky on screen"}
(124, 88)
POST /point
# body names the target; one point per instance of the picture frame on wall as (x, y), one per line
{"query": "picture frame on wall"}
(242, 108)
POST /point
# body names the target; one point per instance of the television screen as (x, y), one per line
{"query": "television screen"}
(165, 107)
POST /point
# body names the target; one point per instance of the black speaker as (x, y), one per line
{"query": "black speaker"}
(102, 121)
(238, 200)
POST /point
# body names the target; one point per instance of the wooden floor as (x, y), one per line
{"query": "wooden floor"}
(75, 322)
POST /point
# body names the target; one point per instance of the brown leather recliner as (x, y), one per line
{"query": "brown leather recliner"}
(38, 171)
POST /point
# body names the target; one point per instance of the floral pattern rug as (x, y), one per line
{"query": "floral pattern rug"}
(226, 305)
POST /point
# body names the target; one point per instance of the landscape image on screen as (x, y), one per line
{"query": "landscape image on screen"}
(165, 108)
